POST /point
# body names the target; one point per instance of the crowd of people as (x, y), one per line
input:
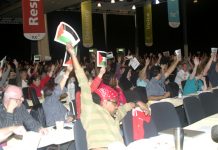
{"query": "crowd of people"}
(102, 96)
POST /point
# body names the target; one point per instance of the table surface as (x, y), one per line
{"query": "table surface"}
(165, 141)
(179, 101)
(34, 139)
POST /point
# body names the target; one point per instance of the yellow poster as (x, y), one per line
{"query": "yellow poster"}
(148, 23)
(86, 11)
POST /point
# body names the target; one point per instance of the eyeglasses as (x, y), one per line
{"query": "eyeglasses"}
(114, 102)
(17, 99)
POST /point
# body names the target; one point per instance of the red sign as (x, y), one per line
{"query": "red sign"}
(33, 19)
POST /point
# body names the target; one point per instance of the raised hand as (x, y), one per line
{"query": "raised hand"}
(147, 61)
(15, 63)
(70, 48)
(196, 61)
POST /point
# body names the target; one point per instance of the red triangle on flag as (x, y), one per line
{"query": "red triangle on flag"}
(100, 58)
(69, 62)
(61, 30)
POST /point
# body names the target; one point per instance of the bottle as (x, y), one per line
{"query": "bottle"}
(180, 93)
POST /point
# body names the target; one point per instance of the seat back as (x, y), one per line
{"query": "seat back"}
(173, 88)
(165, 116)
(193, 109)
(80, 136)
(215, 91)
(38, 114)
(209, 103)
(149, 128)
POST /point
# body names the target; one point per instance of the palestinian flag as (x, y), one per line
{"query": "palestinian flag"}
(101, 59)
(67, 59)
(65, 33)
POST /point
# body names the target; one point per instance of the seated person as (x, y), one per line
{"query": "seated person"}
(101, 122)
(196, 81)
(182, 74)
(13, 112)
(53, 108)
(211, 70)
(156, 89)
(39, 83)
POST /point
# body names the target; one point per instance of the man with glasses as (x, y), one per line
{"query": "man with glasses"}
(101, 122)
(13, 112)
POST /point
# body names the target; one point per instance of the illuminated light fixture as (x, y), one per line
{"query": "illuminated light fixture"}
(99, 4)
(112, 1)
(133, 7)
(157, 2)
(195, 1)
(121, 0)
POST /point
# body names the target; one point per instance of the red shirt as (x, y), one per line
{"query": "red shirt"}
(38, 89)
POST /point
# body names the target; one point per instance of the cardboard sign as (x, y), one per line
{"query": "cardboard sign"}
(101, 59)
(214, 50)
(178, 53)
(110, 55)
(47, 58)
(134, 63)
(65, 34)
(37, 58)
(121, 50)
(67, 59)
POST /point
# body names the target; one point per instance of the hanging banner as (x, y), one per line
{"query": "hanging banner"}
(33, 19)
(173, 13)
(86, 11)
(148, 23)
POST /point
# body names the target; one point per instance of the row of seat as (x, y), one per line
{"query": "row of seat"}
(204, 105)
(163, 116)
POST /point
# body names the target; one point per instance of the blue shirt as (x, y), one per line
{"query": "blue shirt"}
(192, 86)
(156, 87)
(141, 83)
(53, 108)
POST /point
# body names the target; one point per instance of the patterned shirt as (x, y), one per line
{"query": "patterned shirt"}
(20, 116)
(101, 128)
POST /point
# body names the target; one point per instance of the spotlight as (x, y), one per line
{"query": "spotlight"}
(157, 2)
(112, 1)
(133, 7)
(99, 4)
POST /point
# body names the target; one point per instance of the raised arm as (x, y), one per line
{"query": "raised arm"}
(172, 67)
(86, 97)
(207, 67)
(196, 63)
(142, 73)
(65, 76)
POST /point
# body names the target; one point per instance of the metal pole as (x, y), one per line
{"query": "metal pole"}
(136, 36)
(185, 34)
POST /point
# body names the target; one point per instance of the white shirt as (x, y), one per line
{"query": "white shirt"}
(181, 76)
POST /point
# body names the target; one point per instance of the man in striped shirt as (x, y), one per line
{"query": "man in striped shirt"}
(101, 122)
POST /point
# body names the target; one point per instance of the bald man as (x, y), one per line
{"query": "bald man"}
(13, 112)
